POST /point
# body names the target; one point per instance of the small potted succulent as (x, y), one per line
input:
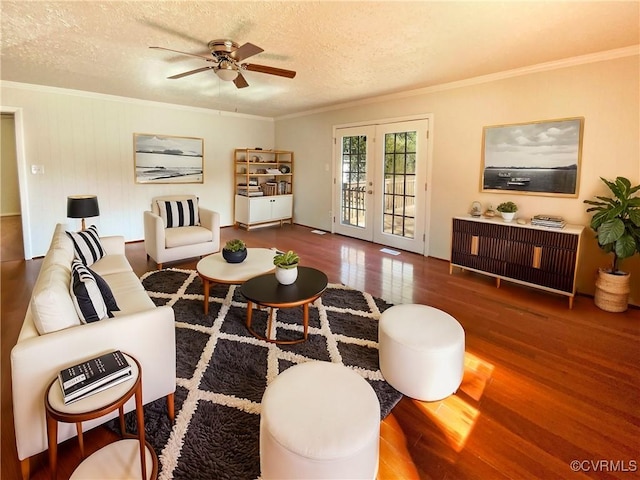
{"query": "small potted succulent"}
(507, 210)
(234, 251)
(286, 267)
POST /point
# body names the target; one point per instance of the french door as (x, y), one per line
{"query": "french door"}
(380, 183)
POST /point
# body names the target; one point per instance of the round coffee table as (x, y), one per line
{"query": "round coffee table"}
(266, 291)
(214, 268)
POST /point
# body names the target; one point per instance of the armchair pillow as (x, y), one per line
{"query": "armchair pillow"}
(87, 245)
(179, 213)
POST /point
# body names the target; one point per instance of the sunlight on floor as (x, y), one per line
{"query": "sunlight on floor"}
(453, 415)
(397, 278)
(352, 267)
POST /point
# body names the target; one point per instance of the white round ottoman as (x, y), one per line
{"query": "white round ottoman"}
(421, 351)
(319, 420)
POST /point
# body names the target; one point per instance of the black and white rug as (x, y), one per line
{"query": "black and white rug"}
(222, 370)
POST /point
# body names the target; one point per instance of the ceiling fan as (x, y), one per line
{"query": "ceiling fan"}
(225, 60)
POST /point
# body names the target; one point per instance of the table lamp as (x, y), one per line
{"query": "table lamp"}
(82, 206)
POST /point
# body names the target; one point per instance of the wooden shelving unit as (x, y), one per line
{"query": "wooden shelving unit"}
(263, 186)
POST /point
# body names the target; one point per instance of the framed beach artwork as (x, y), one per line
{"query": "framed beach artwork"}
(168, 159)
(537, 158)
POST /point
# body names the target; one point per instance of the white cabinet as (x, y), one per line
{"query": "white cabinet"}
(263, 186)
(253, 211)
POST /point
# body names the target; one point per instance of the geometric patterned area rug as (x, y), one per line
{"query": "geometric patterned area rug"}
(223, 370)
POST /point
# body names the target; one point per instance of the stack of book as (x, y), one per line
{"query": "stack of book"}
(270, 188)
(548, 221)
(250, 190)
(93, 376)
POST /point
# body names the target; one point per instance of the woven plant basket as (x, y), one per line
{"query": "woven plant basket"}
(612, 291)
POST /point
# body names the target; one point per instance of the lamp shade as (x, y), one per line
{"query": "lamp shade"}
(82, 206)
(226, 71)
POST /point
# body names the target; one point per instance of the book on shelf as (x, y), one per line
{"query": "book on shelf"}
(548, 218)
(548, 221)
(93, 376)
(250, 193)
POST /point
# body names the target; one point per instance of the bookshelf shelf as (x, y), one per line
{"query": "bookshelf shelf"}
(263, 187)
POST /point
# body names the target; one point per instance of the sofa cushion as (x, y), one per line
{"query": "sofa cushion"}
(87, 245)
(177, 237)
(51, 304)
(129, 293)
(179, 213)
(62, 245)
(86, 294)
(111, 264)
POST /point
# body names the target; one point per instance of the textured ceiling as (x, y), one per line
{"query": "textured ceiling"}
(342, 51)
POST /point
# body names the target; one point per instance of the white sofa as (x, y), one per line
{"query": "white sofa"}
(140, 329)
(165, 244)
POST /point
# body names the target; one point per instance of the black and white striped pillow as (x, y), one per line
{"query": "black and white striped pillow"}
(87, 245)
(86, 294)
(179, 213)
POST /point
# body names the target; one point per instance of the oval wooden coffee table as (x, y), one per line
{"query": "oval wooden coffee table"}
(266, 291)
(214, 268)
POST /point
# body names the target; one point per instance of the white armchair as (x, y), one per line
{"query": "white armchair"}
(176, 228)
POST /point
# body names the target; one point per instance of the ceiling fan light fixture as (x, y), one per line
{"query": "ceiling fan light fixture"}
(226, 71)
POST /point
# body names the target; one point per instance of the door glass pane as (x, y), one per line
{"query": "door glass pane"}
(399, 184)
(354, 176)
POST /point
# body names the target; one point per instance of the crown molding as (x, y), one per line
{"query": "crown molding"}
(129, 100)
(517, 72)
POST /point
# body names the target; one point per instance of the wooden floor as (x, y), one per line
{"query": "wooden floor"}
(544, 386)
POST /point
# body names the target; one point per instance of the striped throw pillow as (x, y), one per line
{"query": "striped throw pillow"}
(87, 246)
(107, 294)
(86, 294)
(179, 213)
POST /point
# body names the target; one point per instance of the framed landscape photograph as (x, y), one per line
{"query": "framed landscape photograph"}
(168, 159)
(537, 158)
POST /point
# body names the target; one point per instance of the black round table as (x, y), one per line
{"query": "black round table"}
(266, 291)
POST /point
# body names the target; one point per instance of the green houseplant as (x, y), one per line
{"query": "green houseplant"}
(234, 251)
(616, 221)
(507, 210)
(286, 267)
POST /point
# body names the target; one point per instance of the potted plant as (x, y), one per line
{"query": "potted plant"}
(616, 222)
(508, 210)
(286, 267)
(234, 251)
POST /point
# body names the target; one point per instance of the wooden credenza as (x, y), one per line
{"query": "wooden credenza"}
(540, 257)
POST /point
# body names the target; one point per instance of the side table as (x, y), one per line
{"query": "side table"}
(95, 406)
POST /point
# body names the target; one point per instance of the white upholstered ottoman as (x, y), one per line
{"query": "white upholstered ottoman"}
(319, 420)
(421, 351)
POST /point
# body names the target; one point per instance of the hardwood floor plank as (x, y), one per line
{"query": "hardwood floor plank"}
(543, 384)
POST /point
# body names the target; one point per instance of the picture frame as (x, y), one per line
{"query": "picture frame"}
(534, 158)
(168, 158)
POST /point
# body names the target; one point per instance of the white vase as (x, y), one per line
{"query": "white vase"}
(508, 216)
(286, 276)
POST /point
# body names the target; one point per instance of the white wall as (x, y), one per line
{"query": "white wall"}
(85, 143)
(605, 93)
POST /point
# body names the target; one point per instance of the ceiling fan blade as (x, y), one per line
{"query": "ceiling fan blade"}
(270, 70)
(245, 51)
(208, 59)
(191, 72)
(240, 81)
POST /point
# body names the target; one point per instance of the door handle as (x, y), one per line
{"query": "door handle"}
(369, 192)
